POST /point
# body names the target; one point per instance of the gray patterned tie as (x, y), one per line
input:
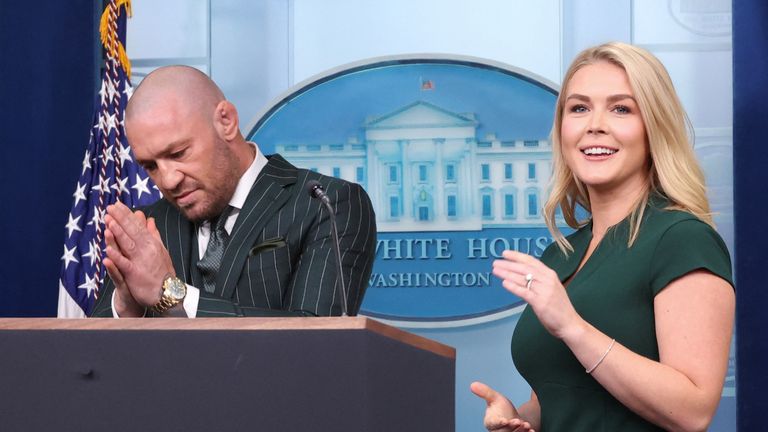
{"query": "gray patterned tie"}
(211, 260)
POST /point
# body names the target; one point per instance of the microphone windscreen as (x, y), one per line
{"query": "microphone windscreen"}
(314, 188)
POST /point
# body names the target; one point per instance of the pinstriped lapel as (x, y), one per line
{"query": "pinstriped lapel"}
(269, 193)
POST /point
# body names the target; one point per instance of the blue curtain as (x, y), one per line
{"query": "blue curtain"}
(47, 85)
(750, 147)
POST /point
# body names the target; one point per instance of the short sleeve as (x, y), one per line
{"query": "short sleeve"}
(686, 246)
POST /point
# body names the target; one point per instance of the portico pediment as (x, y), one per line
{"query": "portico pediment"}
(420, 114)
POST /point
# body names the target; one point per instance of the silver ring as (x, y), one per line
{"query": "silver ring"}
(528, 281)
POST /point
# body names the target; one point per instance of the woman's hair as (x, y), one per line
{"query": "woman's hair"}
(673, 171)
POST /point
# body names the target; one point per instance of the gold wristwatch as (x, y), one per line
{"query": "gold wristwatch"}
(174, 291)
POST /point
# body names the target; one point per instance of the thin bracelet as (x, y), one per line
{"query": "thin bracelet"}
(589, 371)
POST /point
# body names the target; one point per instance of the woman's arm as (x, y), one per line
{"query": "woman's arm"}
(694, 322)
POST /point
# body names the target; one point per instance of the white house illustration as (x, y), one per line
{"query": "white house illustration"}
(425, 170)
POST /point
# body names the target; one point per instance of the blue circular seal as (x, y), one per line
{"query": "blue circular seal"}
(456, 157)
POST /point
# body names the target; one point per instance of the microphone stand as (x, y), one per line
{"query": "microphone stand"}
(316, 191)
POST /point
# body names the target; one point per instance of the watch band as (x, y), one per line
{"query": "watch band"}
(164, 304)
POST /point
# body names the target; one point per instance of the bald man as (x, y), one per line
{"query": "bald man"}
(236, 233)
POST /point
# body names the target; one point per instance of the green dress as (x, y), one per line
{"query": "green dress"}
(614, 291)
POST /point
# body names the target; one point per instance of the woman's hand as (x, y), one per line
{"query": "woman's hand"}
(500, 414)
(543, 292)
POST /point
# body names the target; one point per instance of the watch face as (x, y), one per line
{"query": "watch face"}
(176, 288)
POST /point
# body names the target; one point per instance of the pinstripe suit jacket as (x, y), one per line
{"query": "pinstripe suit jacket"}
(279, 259)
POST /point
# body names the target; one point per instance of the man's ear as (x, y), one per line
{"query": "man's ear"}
(226, 121)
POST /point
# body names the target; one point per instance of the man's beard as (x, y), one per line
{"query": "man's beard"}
(219, 192)
(210, 209)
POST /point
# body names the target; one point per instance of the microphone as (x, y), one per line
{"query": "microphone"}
(315, 190)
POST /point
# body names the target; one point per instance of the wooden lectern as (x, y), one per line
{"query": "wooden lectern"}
(222, 374)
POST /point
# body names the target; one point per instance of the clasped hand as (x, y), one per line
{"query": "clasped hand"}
(136, 259)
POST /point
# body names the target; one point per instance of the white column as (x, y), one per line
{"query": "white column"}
(440, 205)
(406, 181)
(470, 186)
(375, 187)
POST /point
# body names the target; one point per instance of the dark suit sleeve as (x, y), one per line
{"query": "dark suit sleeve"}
(314, 285)
(103, 306)
(313, 288)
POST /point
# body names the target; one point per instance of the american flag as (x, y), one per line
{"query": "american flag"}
(108, 173)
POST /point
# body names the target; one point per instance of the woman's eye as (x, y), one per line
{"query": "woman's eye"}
(578, 109)
(621, 109)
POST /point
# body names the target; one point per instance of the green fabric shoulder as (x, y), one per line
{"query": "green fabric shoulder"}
(685, 244)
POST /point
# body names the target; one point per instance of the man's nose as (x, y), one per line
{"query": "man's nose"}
(169, 177)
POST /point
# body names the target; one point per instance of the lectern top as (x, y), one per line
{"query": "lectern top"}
(230, 324)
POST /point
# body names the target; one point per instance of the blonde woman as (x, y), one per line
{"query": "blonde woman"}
(629, 318)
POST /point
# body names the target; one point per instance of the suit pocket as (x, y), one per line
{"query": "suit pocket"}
(267, 245)
(267, 274)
